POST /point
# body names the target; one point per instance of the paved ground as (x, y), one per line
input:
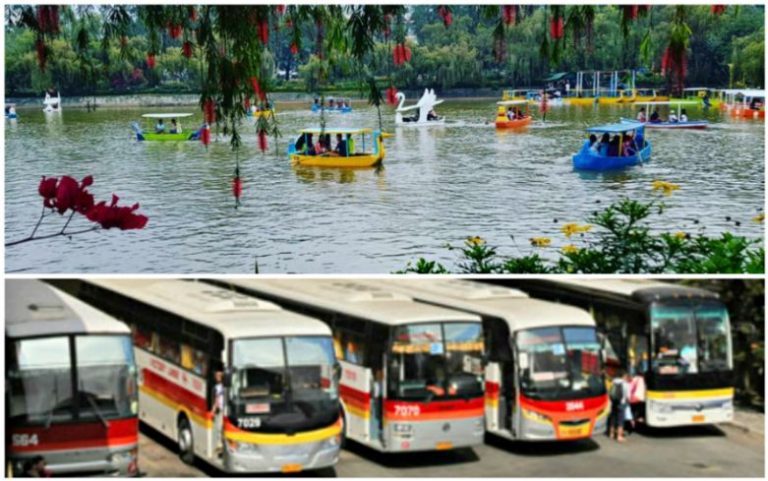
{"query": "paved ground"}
(727, 451)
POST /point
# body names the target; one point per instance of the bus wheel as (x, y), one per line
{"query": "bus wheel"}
(186, 442)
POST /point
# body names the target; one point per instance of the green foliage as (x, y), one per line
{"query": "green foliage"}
(623, 243)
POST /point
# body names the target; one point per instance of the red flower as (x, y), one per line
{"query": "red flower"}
(264, 31)
(151, 60)
(262, 140)
(209, 111)
(718, 9)
(392, 95)
(631, 11)
(174, 31)
(294, 48)
(47, 189)
(186, 49)
(510, 14)
(261, 94)
(109, 216)
(280, 9)
(192, 14)
(69, 194)
(446, 15)
(205, 135)
(237, 187)
(556, 27)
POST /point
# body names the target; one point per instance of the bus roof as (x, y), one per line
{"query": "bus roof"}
(234, 315)
(33, 308)
(644, 290)
(355, 298)
(512, 305)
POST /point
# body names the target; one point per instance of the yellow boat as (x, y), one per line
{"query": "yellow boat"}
(583, 101)
(517, 94)
(350, 149)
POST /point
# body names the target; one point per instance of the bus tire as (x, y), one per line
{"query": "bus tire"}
(186, 441)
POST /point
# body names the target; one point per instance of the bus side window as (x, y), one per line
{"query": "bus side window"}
(337, 349)
(154, 346)
(169, 350)
(187, 357)
(141, 337)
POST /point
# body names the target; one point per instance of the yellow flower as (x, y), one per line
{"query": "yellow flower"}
(573, 228)
(570, 249)
(680, 235)
(666, 187)
(759, 218)
(540, 241)
(475, 241)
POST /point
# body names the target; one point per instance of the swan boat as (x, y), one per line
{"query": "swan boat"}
(421, 110)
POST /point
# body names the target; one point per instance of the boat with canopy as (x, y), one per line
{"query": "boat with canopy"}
(160, 132)
(422, 112)
(342, 105)
(745, 103)
(521, 117)
(610, 152)
(669, 124)
(355, 147)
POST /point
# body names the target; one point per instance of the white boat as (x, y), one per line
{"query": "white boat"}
(421, 110)
(52, 104)
(675, 124)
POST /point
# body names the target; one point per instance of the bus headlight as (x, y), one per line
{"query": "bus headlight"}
(536, 416)
(728, 404)
(242, 448)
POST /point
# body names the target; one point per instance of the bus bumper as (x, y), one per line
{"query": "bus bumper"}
(286, 458)
(663, 413)
(86, 462)
(434, 435)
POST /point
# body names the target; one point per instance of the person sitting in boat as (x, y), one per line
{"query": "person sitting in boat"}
(511, 114)
(613, 147)
(655, 118)
(431, 115)
(175, 127)
(641, 117)
(594, 145)
(628, 149)
(605, 143)
(683, 116)
(672, 118)
(331, 103)
(316, 102)
(160, 127)
(341, 146)
(519, 113)
(705, 100)
(300, 144)
(753, 104)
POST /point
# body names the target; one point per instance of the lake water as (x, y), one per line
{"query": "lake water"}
(437, 185)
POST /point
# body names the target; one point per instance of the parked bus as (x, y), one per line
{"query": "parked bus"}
(678, 338)
(70, 390)
(411, 372)
(544, 376)
(237, 381)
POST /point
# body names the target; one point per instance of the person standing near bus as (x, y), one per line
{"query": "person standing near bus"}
(218, 411)
(619, 404)
(637, 397)
(35, 468)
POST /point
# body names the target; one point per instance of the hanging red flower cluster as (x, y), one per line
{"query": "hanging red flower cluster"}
(294, 48)
(175, 30)
(509, 13)
(192, 14)
(675, 62)
(262, 134)
(260, 93)
(209, 111)
(391, 95)
(151, 62)
(48, 19)
(186, 49)
(65, 193)
(280, 10)
(264, 31)
(205, 135)
(237, 187)
(401, 53)
(556, 27)
(446, 15)
(631, 11)
(718, 9)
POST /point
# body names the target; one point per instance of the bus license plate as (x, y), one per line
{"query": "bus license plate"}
(291, 468)
(444, 445)
(698, 418)
(574, 432)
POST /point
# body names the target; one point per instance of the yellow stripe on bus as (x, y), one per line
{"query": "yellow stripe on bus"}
(690, 394)
(305, 437)
(163, 399)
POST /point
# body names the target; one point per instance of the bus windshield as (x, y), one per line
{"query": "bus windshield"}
(690, 339)
(558, 363)
(283, 384)
(436, 361)
(41, 379)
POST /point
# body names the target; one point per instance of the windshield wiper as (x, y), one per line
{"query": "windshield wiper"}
(95, 407)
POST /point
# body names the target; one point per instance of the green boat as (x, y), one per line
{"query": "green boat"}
(153, 135)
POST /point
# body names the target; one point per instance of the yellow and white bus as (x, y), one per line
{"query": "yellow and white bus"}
(70, 387)
(412, 373)
(237, 381)
(678, 338)
(544, 376)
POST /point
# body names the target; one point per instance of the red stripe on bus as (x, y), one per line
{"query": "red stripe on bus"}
(434, 410)
(492, 390)
(353, 397)
(176, 393)
(121, 432)
(569, 406)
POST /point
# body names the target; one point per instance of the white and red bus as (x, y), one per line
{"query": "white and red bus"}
(70, 388)
(544, 373)
(678, 338)
(411, 372)
(275, 405)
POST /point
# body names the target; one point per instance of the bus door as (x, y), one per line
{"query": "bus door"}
(520, 361)
(356, 383)
(509, 390)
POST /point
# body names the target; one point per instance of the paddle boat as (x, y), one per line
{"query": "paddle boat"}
(690, 124)
(502, 119)
(747, 104)
(423, 110)
(343, 106)
(581, 101)
(597, 159)
(361, 147)
(10, 112)
(153, 135)
(519, 94)
(704, 96)
(52, 104)
(256, 112)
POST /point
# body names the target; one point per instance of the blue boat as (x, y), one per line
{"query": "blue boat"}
(343, 106)
(588, 159)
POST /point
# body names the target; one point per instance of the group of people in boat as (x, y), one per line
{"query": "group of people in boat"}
(431, 116)
(306, 146)
(514, 113)
(615, 146)
(160, 127)
(255, 109)
(655, 118)
(332, 104)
